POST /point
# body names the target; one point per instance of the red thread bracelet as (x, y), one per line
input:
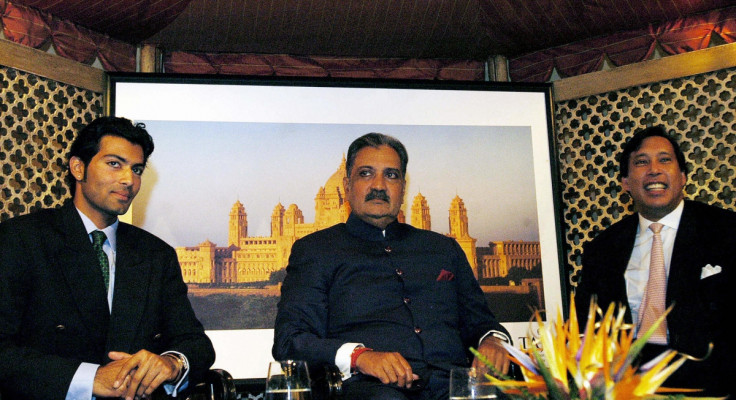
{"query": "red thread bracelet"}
(357, 352)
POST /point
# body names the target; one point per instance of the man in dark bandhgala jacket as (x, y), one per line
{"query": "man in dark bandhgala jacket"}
(394, 307)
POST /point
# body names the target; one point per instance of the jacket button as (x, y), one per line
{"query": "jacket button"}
(157, 336)
(417, 330)
(407, 300)
(399, 272)
(59, 328)
(387, 249)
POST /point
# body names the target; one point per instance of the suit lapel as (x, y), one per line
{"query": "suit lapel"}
(621, 249)
(78, 265)
(686, 253)
(131, 288)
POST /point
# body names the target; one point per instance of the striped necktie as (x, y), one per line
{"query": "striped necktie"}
(653, 304)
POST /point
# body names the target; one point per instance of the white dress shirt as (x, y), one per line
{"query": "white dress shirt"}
(637, 271)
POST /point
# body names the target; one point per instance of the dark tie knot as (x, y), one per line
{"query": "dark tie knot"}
(656, 227)
(98, 238)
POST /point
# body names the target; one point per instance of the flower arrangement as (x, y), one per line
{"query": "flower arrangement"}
(600, 364)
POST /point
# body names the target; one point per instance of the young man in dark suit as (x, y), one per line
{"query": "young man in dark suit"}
(699, 261)
(394, 307)
(107, 320)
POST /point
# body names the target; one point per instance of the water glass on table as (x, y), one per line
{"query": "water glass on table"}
(288, 380)
(470, 383)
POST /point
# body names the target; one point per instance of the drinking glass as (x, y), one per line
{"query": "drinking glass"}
(288, 380)
(470, 383)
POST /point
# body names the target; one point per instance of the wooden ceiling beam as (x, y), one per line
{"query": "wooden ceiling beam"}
(51, 66)
(666, 68)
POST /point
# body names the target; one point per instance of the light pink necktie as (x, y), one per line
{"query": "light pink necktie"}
(653, 304)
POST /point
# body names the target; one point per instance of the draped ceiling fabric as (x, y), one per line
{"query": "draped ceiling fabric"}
(335, 67)
(674, 37)
(441, 39)
(30, 27)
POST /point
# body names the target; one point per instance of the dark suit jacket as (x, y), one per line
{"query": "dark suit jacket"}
(348, 283)
(703, 307)
(53, 306)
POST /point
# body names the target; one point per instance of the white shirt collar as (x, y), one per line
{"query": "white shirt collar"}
(671, 220)
(110, 230)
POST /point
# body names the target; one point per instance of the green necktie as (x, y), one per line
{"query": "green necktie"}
(98, 239)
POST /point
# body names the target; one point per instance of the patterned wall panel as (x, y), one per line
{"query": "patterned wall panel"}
(39, 120)
(699, 111)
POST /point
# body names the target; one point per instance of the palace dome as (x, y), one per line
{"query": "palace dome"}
(334, 185)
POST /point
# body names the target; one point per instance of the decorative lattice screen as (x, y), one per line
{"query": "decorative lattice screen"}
(39, 120)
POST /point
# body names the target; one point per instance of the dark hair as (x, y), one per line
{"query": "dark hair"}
(636, 141)
(374, 139)
(87, 142)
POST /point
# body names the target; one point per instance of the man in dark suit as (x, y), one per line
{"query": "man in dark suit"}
(394, 307)
(114, 320)
(699, 259)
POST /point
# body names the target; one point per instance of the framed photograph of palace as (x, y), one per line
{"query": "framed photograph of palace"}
(243, 167)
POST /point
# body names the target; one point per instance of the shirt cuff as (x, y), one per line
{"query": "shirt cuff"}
(82, 382)
(342, 358)
(498, 335)
(175, 387)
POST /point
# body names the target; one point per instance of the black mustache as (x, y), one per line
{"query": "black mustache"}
(377, 194)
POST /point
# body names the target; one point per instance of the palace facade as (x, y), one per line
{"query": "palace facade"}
(499, 257)
(254, 258)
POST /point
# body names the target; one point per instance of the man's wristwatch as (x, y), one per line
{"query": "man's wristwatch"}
(181, 365)
(499, 335)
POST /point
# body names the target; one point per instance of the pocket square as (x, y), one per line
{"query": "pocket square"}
(709, 270)
(445, 275)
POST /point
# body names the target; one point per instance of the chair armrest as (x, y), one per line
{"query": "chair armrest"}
(217, 384)
(333, 378)
(326, 382)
